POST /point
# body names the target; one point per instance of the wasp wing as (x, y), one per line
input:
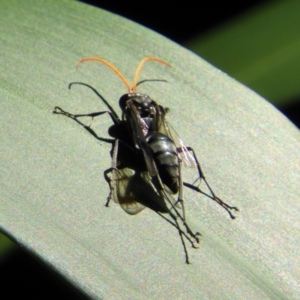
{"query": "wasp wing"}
(123, 192)
(139, 128)
(183, 151)
(136, 190)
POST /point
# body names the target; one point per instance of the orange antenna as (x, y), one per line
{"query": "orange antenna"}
(138, 70)
(110, 66)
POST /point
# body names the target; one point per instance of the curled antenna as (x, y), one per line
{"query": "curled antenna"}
(137, 72)
(110, 66)
(139, 68)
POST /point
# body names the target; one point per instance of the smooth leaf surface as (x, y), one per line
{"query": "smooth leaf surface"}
(52, 186)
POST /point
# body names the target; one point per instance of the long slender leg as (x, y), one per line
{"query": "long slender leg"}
(180, 193)
(111, 187)
(181, 234)
(115, 115)
(59, 110)
(212, 196)
(176, 225)
(180, 199)
(115, 165)
(111, 181)
(174, 208)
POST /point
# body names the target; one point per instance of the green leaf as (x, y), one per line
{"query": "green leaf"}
(261, 48)
(53, 191)
(6, 245)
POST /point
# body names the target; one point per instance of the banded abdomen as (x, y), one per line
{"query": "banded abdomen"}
(166, 159)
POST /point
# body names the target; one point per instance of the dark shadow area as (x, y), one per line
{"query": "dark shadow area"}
(292, 111)
(178, 21)
(23, 277)
(183, 22)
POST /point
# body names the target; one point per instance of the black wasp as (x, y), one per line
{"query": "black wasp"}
(147, 156)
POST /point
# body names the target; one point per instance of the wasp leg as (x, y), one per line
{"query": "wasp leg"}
(176, 225)
(115, 166)
(212, 196)
(110, 184)
(180, 193)
(115, 115)
(181, 234)
(174, 208)
(112, 170)
(60, 111)
(180, 199)
(189, 235)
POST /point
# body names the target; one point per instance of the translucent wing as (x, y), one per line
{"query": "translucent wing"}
(139, 129)
(123, 192)
(136, 190)
(182, 150)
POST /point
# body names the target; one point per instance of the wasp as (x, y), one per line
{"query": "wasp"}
(147, 158)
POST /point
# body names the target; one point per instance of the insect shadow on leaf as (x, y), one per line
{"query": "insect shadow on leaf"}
(147, 156)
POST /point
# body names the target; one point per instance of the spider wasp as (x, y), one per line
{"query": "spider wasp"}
(147, 158)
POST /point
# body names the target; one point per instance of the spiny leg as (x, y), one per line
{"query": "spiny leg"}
(111, 186)
(182, 241)
(112, 170)
(178, 228)
(181, 234)
(212, 196)
(180, 193)
(182, 218)
(110, 108)
(180, 199)
(160, 188)
(59, 110)
(173, 207)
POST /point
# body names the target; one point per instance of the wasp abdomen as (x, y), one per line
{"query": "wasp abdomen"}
(166, 159)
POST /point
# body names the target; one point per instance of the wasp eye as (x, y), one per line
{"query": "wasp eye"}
(123, 100)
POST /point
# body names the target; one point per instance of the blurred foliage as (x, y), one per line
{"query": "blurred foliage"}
(261, 49)
(6, 245)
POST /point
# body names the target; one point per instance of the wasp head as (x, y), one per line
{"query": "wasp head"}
(142, 102)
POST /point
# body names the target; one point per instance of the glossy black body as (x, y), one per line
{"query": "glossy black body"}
(147, 156)
(145, 121)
